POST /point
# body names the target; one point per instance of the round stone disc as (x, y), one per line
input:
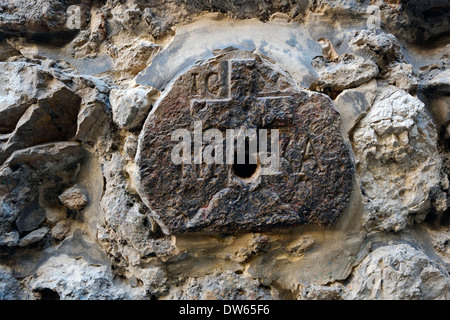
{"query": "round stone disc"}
(233, 95)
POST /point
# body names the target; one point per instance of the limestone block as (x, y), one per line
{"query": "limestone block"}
(397, 160)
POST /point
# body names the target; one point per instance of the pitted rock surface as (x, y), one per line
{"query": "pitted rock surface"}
(238, 89)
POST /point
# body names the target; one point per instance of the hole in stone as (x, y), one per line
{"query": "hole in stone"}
(247, 169)
(47, 294)
(15, 167)
(436, 219)
(244, 170)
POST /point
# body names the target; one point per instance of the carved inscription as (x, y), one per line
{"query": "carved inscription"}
(220, 107)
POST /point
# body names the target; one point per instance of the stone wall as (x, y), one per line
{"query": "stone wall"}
(92, 207)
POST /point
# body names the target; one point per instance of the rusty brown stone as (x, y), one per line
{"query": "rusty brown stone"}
(240, 89)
